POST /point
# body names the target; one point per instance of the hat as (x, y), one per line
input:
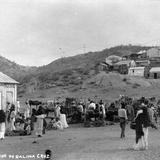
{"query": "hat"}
(143, 105)
(152, 108)
(101, 102)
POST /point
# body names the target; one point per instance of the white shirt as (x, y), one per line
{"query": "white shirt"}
(92, 105)
(122, 113)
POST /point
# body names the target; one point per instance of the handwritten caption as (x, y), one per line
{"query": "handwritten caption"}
(21, 156)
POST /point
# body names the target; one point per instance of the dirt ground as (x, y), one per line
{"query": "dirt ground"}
(79, 143)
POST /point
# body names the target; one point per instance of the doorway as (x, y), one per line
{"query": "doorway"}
(9, 97)
(155, 75)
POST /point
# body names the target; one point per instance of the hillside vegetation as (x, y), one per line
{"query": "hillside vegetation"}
(76, 76)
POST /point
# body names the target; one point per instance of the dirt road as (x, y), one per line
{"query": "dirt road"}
(78, 143)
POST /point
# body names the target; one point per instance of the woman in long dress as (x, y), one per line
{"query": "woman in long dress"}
(2, 124)
(39, 124)
(142, 123)
(63, 120)
(61, 116)
(12, 118)
(33, 121)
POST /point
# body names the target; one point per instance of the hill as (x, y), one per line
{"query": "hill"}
(76, 76)
(66, 76)
(18, 72)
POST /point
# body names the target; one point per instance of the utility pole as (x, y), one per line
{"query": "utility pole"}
(84, 48)
(61, 53)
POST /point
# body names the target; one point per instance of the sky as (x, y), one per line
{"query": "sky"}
(37, 32)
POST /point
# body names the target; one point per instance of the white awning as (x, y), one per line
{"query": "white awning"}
(155, 69)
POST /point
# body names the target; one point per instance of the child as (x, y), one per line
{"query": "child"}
(51, 123)
(58, 124)
(27, 127)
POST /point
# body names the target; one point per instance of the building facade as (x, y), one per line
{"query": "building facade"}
(8, 91)
(136, 71)
(153, 52)
(154, 73)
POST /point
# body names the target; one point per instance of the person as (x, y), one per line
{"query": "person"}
(151, 116)
(18, 106)
(92, 106)
(102, 110)
(57, 110)
(12, 118)
(58, 124)
(39, 124)
(27, 127)
(48, 154)
(142, 123)
(63, 120)
(130, 112)
(51, 124)
(79, 112)
(44, 126)
(8, 106)
(27, 110)
(123, 118)
(33, 120)
(90, 113)
(2, 124)
(146, 125)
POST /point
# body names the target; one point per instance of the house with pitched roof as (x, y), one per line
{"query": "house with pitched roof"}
(8, 91)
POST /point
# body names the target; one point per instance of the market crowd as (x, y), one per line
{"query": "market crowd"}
(140, 112)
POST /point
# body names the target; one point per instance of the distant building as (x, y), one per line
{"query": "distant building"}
(8, 90)
(142, 54)
(136, 71)
(154, 72)
(154, 62)
(122, 66)
(142, 62)
(153, 52)
(133, 63)
(103, 66)
(113, 59)
(133, 56)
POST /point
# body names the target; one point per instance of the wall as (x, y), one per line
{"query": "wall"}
(153, 52)
(151, 75)
(136, 72)
(6, 90)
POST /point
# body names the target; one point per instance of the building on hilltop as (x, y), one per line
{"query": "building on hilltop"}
(103, 66)
(153, 52)
(154, 62)
(142, 62)
(154, 72)
(8, 91)
(142, 54)
(122, 66)
(136, 71)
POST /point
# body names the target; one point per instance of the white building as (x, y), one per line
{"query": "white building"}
(8, 90)
(153, 52)
(136, 71)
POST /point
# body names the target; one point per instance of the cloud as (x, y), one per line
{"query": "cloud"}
(32, 31)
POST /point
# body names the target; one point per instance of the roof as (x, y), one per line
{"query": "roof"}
(123, 62)
(155, 69)
(6, 79)
(105, 64)
(141, 52)
(142, 60)
(108, 63)
(136, 68)
(113, 58)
